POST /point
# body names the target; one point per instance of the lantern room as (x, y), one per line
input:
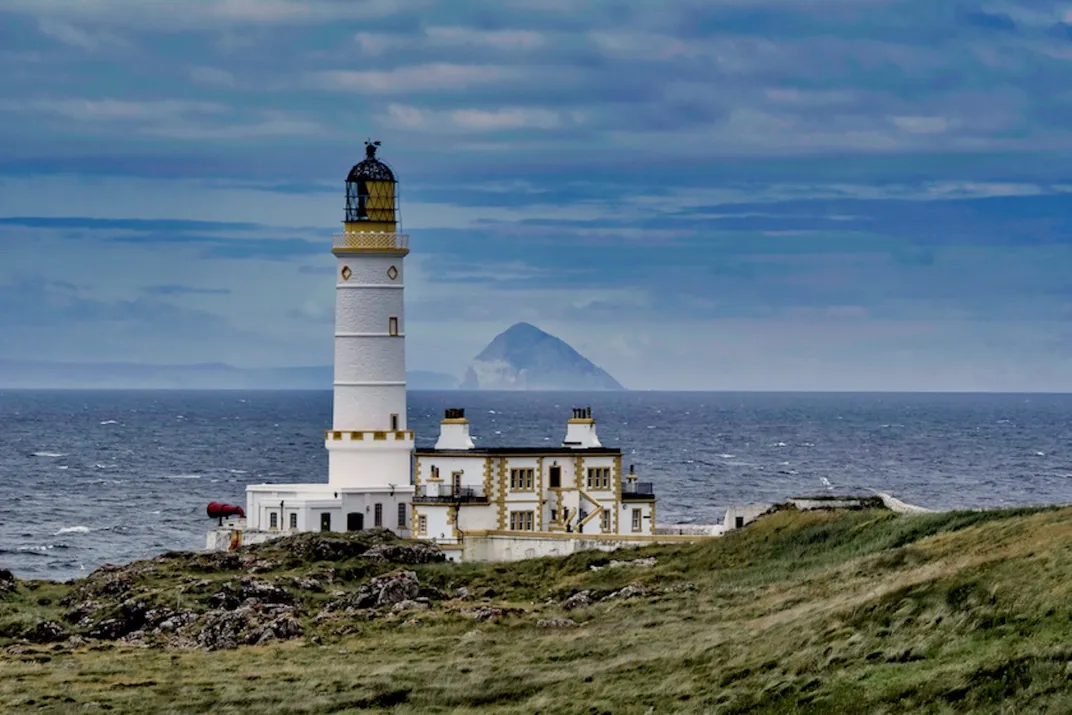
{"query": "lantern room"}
(371, 195)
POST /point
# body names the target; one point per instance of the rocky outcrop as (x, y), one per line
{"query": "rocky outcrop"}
(7, 582)
(248, 625)
(411, 554)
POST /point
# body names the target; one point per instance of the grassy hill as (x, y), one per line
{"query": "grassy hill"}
(841, 612)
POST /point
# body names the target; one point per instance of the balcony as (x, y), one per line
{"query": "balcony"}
(372, 241)
(638, 491)
(445, 495)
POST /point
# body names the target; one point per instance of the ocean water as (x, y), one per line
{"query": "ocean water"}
(88, 477)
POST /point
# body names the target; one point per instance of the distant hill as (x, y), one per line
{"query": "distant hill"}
(200, 376)
(526, 358)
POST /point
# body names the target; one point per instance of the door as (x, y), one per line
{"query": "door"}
(355, 521)
(555, 477)
(456, 483)
(325, 521)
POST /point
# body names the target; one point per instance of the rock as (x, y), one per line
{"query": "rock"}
(410, 606)
(226, 629)
(388, 590)
(7, 582)
(643, 563)
(581, 599)
(556, 623)
(307, 584)
(410, 554)
(631, 591)
(484, 613)
(75, 642)
(462, 593)
(45, 632)
(247, 589)
(109, 629)
(81, 615)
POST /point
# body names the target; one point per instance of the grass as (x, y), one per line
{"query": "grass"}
(861, 611)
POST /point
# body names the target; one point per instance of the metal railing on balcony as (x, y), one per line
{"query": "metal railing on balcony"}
(638, 491)
(446, 495)
(371, 241)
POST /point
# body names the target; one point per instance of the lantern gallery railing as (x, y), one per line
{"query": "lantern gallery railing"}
(371, 241)
(638, 491)
(446, 495)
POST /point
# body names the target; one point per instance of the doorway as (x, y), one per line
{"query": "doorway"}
(355, 521)
(325, 521)
(554, 477)
(456, 483)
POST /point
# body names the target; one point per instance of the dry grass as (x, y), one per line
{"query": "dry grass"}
(818, 612)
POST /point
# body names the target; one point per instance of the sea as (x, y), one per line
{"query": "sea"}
(95, 477)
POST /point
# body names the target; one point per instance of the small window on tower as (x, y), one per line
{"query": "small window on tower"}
(394, 423)
(392, 326)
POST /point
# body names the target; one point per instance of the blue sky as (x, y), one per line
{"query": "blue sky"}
(760, 194)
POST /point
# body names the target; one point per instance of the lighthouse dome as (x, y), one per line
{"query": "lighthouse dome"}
(371, 169)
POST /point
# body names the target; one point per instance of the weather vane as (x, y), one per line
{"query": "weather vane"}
(370, 149)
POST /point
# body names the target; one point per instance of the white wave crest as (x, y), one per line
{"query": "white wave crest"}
(109, 422)
(182, 476)
(49, 454)
(73, 530)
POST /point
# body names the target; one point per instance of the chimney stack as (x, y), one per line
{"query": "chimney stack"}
(454, 430)
(581, 430)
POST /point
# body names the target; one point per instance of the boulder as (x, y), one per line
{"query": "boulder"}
(388, 590)
(633, 590)
(411, 606)
(227, 629)
(7, 582)
(410, 554)
(45, 632)
(581, 599)
(556, 623)
(248, 589)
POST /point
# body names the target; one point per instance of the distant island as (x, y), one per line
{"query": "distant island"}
(526, 358)
(521, 358)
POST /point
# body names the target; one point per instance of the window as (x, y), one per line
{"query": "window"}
(422, 525)
(294, 521)
(554, 476)
(325, 521)
(392, 326)
(522, 520)
(455, 483)
(394, 423)
(636, 519)
(605, 520)
(402, 522)
(554, 515)
(377, 515)
(599, 478)
(521, 479)
(273, 520)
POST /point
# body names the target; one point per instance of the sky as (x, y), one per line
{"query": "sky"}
(695, 194)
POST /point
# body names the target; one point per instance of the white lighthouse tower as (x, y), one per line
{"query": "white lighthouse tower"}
(369, 445)
(370, 448)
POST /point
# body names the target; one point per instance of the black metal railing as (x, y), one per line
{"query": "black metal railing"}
(640, 491)
(446, 495)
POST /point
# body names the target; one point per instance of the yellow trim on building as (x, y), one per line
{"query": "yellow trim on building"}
(581, 421)
(454, 421)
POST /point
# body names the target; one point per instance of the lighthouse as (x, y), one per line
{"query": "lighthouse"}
(475, 502)
(369, 445)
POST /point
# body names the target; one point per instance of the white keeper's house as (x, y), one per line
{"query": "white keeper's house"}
(478, 503)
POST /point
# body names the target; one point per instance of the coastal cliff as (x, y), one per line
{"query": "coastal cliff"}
(523, 357)
(825, 611)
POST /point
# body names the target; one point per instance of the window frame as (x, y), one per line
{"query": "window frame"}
(638, 519)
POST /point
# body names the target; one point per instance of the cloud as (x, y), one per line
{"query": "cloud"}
(173, 289)
(436, 77)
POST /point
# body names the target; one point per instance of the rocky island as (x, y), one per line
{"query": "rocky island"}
(818, 611)
(526, 358)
